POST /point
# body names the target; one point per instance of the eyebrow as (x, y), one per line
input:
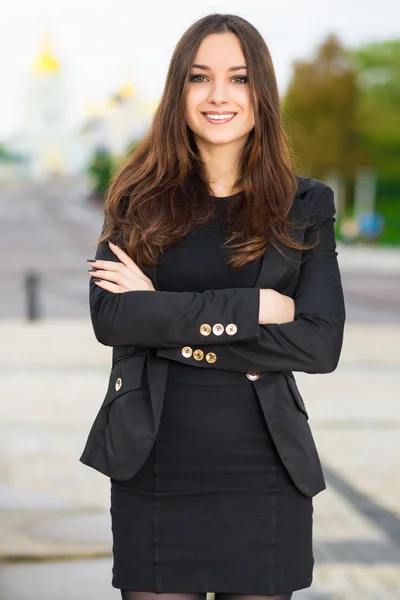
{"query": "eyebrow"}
(205, 68)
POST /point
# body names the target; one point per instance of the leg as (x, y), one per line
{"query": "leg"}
(219, 596)
(137, 595)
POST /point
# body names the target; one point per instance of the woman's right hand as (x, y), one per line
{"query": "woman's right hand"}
(275, 307)
(120, 276)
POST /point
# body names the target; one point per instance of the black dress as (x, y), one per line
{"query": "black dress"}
(213, 508)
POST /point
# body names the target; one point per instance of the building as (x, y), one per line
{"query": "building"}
(47, 146)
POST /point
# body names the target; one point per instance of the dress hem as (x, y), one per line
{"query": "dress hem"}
(133, 585)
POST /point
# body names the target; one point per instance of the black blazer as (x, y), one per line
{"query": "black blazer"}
(148, 329)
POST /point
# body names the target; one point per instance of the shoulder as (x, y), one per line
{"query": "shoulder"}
(312, 195)
(313, 187)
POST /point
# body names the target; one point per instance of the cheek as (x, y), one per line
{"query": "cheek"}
(193, 98)
(245, 99)
(245, 103)
(188, 109)
(251, 119)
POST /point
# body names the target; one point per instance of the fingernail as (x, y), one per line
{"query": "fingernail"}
(90, 260)
(97, 279)
(92, 270)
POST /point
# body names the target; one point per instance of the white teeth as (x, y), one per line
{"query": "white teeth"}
(219, 117)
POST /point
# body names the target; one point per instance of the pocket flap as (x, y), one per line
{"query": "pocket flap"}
(126, 375)
(296, 393)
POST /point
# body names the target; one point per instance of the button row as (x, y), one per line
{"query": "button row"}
(198, 354)
(218, 329)
(211, 357)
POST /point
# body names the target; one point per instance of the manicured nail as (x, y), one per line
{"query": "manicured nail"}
(92, 270)
(97, 280)
(89, 260)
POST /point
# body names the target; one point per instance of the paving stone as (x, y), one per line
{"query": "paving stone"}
(70, 580)
(83, 529)
(18, 498)
(79, 580)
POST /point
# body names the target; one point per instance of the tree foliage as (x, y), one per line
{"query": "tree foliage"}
(342, 111)
(378, 78)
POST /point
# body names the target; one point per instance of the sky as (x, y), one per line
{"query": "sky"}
(102, 44)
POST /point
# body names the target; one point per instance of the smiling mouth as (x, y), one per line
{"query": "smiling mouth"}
(216, 119)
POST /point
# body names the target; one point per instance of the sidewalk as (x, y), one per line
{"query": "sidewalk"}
(369, 258)
(42, 527)
(52, 507)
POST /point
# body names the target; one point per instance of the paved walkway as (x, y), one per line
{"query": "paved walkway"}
(52, 508)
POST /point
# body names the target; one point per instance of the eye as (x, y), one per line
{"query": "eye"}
(243, 77)
(193, 77)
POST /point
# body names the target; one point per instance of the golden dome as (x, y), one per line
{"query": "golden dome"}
(126, 91)
(46, 62)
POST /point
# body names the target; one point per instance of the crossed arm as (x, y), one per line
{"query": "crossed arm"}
(312, 342)
(169, 321)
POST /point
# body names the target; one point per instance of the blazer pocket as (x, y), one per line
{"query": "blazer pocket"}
(294, 390)
(126, 375)
(119, 435)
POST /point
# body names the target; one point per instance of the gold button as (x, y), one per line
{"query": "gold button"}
(231, 329)
(118, 384)
(205, 329)
(218, 329)
(198, 354)
(187, 351)
(211, 357)
(252, 376)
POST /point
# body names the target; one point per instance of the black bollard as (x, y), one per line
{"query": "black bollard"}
(32, 295)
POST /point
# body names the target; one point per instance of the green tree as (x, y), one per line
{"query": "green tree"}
(378, 81)
(320, 114)
(101, 168)
(378, 69)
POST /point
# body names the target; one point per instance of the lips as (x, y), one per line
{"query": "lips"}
(220, 121)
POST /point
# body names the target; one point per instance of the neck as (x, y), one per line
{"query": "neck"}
(221, 162)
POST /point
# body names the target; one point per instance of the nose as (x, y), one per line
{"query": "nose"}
(218, 93)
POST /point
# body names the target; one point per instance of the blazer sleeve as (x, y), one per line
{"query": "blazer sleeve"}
(312, 342)
(157, 319)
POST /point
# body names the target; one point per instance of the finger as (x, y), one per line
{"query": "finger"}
(114, 266)
(123, 256)
(113, 276)
(124, 277)
(109, 265)
(111, 287)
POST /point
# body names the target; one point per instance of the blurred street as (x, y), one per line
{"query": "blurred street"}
(55, 540)
(52, 229)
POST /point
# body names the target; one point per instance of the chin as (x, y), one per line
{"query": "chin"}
(219, 139)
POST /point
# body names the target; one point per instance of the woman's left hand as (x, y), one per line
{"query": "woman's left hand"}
(120, 277)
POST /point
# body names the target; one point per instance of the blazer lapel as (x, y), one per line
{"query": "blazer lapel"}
(275, 262)
(274, 265)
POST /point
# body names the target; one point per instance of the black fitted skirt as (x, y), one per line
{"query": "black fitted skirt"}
(213, 508)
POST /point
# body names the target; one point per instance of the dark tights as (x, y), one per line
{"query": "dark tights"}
(133, 595)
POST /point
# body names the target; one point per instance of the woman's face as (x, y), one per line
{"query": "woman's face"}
(216, 91)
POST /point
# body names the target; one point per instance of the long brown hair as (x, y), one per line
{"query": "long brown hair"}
(161, 192)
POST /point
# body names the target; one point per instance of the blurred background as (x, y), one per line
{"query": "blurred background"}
(80, 83)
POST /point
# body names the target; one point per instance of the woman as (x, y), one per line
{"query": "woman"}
(203, 431)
